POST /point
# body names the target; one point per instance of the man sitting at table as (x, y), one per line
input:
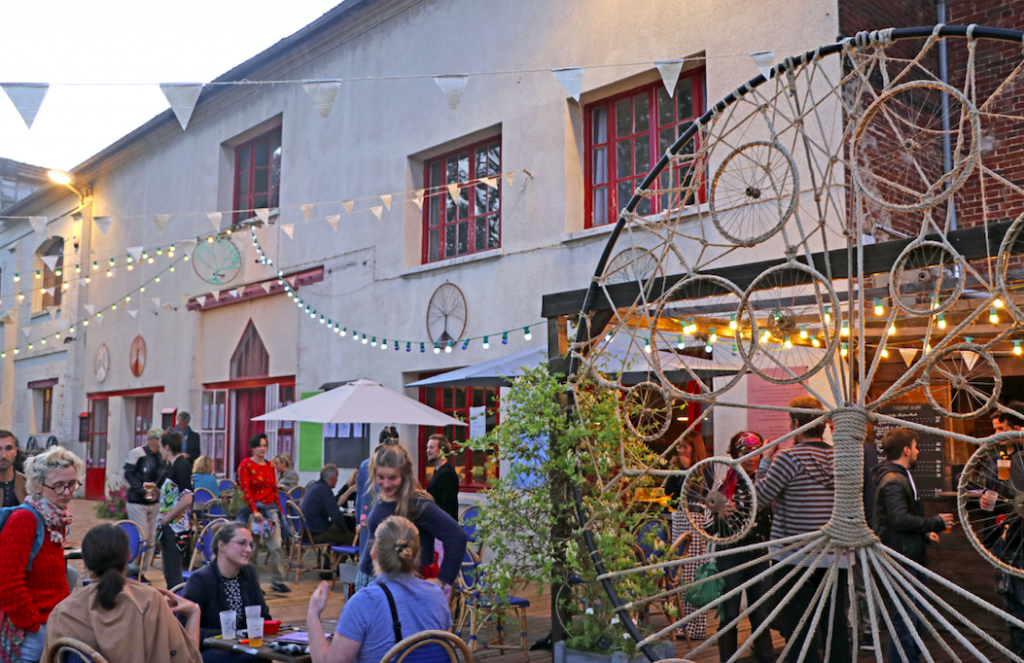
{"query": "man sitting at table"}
(324, 519)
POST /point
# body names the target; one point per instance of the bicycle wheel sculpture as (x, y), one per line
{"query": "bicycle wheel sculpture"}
(773, 281)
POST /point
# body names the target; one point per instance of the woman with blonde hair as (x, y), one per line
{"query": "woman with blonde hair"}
(32, 554)
(202, 475)
(396, 605)
(287, 477)
(399, 493)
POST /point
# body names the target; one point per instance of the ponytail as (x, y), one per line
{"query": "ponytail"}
(397, 542)
(108, 588)
(105, 551)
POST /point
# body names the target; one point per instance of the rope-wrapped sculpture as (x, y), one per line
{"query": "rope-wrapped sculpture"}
(854, 139)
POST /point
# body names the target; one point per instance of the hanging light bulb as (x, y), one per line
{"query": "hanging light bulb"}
(845, 331)
(714, 337)
(942, 321)
(885, 353)
(408, 346)
(732, 322)
(39, 274)
(373, 343)
(111, 262)
(448, 348)
(647, 345)
(892, 328)
(88, 279)
(437, 349)
(344, 330)
(465, 344)
(504, 338)
(998, 303)
(384, 344)
(109, 273)
(364, 339)
(828, 316)
(157, 279)
(486, 343)
(1016, 348)
(993, 315)
(423, 347)
(815, 342)
(843, 351)
(679, 342)
(879, 309)
(159, 251)
(18, 278)
(788, 344)
(803, 332)
(526, 333)
(128, 259)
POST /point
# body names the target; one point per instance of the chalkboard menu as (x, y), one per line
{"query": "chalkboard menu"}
(928, 472)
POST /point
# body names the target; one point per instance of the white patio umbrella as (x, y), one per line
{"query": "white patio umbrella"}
(362, 401)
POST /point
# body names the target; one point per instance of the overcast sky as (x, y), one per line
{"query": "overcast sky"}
(122, 41)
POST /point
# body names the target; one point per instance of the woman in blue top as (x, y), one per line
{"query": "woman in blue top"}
(202, 475)
(398, 493)
(366, 629)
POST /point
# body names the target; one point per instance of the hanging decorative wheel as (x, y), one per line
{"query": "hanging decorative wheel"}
(446, 314)
(633, 265)
(776, 281)
(218, 262)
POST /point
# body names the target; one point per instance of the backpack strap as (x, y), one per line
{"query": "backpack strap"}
(37, 543)
(394, 612)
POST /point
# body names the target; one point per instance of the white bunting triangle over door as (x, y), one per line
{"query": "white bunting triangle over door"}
(322, 94)
(50, 262)
(182, 98)
(452, 87)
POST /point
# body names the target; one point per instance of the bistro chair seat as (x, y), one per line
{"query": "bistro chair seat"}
(429, 647)
(69, 650)
(136, 543)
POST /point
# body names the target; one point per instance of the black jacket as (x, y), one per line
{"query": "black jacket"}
(141, 465)
(205, 588)
(444, 488)
(899, 519)
(190, 444)
(320, 508)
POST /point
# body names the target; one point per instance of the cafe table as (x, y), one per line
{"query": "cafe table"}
(265, 653)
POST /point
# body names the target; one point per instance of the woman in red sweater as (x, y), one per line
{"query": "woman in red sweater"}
(258, 481)
(33, 586)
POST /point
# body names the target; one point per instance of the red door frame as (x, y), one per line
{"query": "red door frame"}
(96, 449)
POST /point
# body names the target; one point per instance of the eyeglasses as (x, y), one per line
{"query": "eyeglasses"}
(69, 487)
(244, 543)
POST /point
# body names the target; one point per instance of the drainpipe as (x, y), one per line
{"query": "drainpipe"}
(947, 149)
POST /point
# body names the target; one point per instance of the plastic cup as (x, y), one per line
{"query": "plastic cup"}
(227, 624)
(254, 625)
(991, 495)
(1003, 466)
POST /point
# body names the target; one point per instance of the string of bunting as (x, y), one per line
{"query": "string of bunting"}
(369, 338)
(183, 97)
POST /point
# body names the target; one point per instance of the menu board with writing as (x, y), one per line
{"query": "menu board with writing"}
(928, 473)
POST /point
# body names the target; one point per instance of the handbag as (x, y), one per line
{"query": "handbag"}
(700, 595)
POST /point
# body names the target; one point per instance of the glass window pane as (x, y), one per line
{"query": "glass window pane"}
(435, 174)
(623, 117)
(463, 237)
(262, 152)
(242, 158)
(599, 120)
(625, 192)
(480, 166)
(431, 397)
(448, 400)
(684, 98)
(477, 399)
(464, 202)
(481, 198)
(433, 211)
(494, 159)
(624, 158)
(261, 180)
(243, 185)
(665, 139)
(463, 166)
(451, 207)
(260, 201)
(599, 165)
(688, 147)
(666, 108)
(452, 170)
(480, 234)
(641, 113)
(600, 206)
(449, 241)
(642, 163)
(664, 183)
(493, 231)
(644, 207)
(460, 398)
(493, 200)
(275, 197)
(433, 240)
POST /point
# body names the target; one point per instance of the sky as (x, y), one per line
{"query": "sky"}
(124, 43)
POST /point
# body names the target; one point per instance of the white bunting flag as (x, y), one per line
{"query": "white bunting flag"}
(27, 98)
(418, 198)
(215, 218)
(168, 307)
(155, 300)
(289, 229)
(387, 200)
(53, 310)
(453, 190)
(39, 224)
(333, 220)
(160, 221)
(201, 299)
(7, 319)
(49, 291)
(135, 252)
(182, 98)
(322, 94)
(239, 292)
(64, 324)
(970, 358)
(187, 245)
(490, 181)
(571, 79)
(89, 308)
(763, 60)
(510, 177)
(216, 295)
(25, 331)
(132, 313)
(266, 287)
(348, 206)
(377, 211)
(306, 209)
(908, 355)
(184, 299)
(669, 70)
(50, 262)
(103, 223)
(264, 214)
(452, 87)
(81, 281)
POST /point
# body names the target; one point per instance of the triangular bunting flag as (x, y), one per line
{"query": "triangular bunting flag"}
(155, 300)
(103, 223)
(490, 181)
(970, 358)
(377, 211)
(908, 355)
(49, 291)
(289, 229)
(187, 245)
(239, 292)
(52, 310)
(27, 98)
(763, 60)
(160, 221)
(571, 79)
(669, 70)
(266, 287)
(510, 177)
(264, 214)
(306, 209)
(39, 224)
(168, 307)
(452, 87)
(182, 97)
(387, 200)
(215, 218)
(89, 308)
(25, 331)
(453, 190)
(132, 313)
(81, 281)
(216, 295)
(201, 299)
(64, 324)
(333, 220)
(135, 252)
(322, 94)
(50, 262)
(418, 198)
(184, 299)
(348, 206)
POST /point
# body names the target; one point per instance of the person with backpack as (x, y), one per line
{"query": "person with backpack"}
(32, 553)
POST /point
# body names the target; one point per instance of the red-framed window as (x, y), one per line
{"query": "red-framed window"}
(286, 429)
(258, 174)
(626, 135)
(475, 468)
(471, 222)
(96, 450)
(143, 418)
(251, 359)
(47, 419)
(213, 428)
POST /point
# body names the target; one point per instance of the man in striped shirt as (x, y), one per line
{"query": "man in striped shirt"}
(801, 483)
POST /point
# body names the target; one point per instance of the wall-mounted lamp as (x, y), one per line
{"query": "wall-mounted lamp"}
(65, 179)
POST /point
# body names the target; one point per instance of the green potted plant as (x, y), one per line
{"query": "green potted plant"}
(529, 525)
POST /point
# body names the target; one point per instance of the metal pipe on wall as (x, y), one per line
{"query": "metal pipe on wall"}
(947, 149)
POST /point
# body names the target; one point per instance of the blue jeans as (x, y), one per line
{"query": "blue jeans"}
(224, 656)
(32, 647)
(905, 634)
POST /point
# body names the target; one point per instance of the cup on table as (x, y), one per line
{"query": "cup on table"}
(254, 624)
(227, 624)
(1003, 465)
(990, 497)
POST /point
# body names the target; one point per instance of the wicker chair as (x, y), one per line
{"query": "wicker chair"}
(429, 647)
(69, 650)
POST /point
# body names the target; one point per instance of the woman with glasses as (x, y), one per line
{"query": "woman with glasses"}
(32, 554)
(230, 582)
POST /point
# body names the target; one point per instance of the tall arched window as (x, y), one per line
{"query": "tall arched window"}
(251, 359)
(51, 267)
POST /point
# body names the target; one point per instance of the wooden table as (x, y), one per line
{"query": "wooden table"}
(265, 652)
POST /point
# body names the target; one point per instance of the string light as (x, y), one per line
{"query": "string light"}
(998, 303)
(942, 321)
(828, 316)
(423, 347)
(38, 274)
(803, 332)
(486, 344)
(527, 335)
(1016, 348)
(448, 348)
(788, 344)
(845, 331)
(504, 338)
(16, 277)
(647, 345)
(465, 344)
(892, 328)
(815, 342)
(732, 322)
(679, 343)
(885, 353)
(843, 351)
(437, 348)
(879, 309)
(993, 315)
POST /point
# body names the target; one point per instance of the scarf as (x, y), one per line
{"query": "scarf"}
(55, 518)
